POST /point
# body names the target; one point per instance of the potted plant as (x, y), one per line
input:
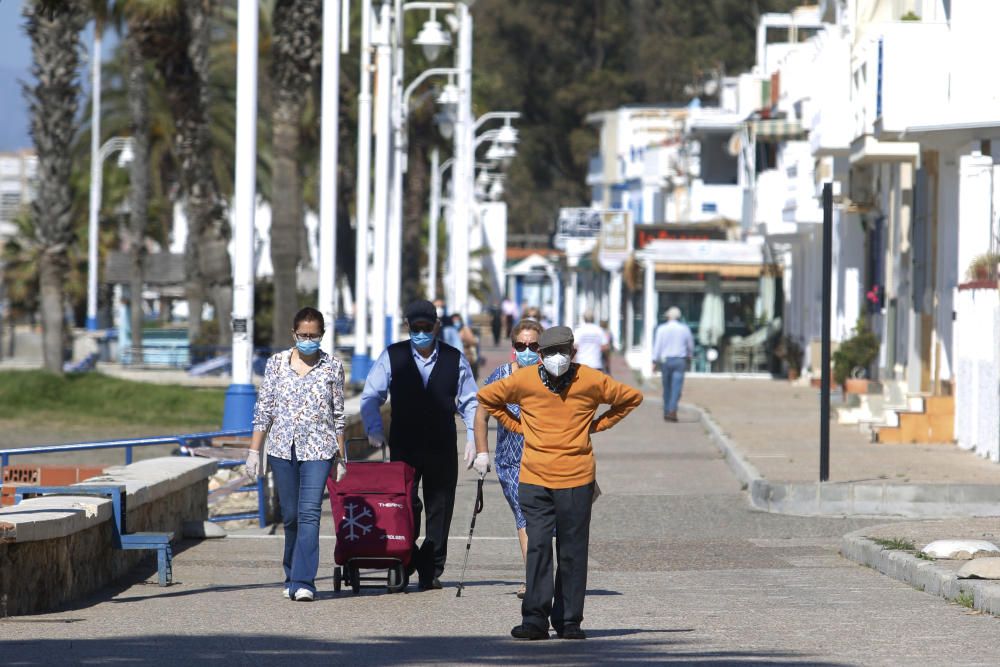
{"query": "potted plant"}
(983, 267)
(789, 351)
(853, 358)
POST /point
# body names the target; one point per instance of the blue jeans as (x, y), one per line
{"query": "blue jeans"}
(300, 487)
(673, 381)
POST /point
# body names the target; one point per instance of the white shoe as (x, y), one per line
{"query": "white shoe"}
(285, 592)
(304, 595)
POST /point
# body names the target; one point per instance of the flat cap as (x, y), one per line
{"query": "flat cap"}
(421, 310)
(555, 337)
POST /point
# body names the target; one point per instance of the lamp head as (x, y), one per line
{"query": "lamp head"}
(433, 39)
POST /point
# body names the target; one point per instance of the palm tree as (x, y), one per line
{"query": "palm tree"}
(54, 98)
(295, 56)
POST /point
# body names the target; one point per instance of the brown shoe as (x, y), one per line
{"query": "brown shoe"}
(671, 417)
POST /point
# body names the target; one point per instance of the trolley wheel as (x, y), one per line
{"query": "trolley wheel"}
(395, 579)
(355, 576)
(337, 577)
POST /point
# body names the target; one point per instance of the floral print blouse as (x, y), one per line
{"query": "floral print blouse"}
(306, 411)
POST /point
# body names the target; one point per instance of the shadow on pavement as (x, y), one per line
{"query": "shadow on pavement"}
(603, 647)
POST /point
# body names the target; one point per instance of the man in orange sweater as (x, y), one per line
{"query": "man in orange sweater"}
(559, 402)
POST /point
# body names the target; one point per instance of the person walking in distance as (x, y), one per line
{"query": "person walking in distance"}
(559, 401)
(673, 346)
(429, 382)
(510, 445)
(509, 311)
(591, 342)
(300, 411)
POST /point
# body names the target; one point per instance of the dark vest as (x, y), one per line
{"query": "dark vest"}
(423, 418)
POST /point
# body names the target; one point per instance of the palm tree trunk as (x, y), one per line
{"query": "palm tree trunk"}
(54, 97)
(286, 219)
(138, 102)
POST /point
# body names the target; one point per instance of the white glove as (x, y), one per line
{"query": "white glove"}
(253, 464)
(470, 454)
(376, 440)
(482, 463)
(341, 470)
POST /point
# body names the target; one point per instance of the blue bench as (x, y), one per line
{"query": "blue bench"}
(121, 537)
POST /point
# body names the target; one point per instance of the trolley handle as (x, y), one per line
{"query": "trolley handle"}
(364, 439)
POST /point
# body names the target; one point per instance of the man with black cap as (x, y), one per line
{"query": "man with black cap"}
(559, 401)
(429, 382)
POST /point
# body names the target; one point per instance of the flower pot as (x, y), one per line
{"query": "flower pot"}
(856, 386)
(793, 373)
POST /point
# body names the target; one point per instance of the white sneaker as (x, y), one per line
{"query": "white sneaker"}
(304, 595)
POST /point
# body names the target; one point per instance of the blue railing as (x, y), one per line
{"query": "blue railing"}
(185, 441)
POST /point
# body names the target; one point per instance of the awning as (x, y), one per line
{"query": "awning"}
(724, 270)
(777, 129)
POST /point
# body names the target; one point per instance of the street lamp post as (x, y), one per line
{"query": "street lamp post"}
(361, 361)
(113, 145)
(383, 129)
(241, 395)
(328, 172)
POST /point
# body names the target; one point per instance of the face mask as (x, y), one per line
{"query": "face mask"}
(421, 339)
(307, 347)
(439, 311)
(556, 364)
(527, 358)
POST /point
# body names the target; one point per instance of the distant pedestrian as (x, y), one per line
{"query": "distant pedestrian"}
(559, 401)
(300, 408)
(496, 323)
(510, 444)
(509, 311)
(606, 352)
(673, 347)
(469, 343)
(428, 382)
(591, 342)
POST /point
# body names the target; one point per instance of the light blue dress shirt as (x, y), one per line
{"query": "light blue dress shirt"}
(377, 389)
(672, 340)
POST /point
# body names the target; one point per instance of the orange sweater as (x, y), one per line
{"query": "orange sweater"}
(557, 427)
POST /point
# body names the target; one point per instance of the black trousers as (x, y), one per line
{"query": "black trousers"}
(438, 477)
(567, 512)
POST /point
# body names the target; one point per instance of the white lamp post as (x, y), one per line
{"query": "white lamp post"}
(361, 361)
(241, 395)
(113, 145)
(328, 171)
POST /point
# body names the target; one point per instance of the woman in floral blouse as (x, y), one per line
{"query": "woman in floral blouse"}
(300, 409)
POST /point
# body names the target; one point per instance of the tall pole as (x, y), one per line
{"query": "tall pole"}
(361, 362)
(241, 396)
(96, 180)
(824, 400)
(463, 168)
(383, 139)
(329, 129)
(394, 250)
(432, 240)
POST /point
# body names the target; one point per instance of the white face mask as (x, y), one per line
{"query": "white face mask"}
(556, 364)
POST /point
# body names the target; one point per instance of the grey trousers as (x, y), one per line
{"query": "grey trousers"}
(567, 513)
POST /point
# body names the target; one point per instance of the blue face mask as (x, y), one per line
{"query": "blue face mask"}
(422, 339)
(527, 358)
(307, 347)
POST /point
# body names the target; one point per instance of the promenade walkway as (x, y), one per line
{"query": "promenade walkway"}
(682, 570)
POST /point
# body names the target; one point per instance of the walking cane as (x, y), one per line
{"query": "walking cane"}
(468, 545)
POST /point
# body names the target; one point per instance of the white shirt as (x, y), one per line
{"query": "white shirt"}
(589, 339)
(672, 339)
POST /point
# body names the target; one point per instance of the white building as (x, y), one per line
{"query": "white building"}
(17, 187)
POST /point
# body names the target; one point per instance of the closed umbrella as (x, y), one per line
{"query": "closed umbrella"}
(764, 306)
(712, 324)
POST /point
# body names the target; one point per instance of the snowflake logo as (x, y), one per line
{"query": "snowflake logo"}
(352, 520)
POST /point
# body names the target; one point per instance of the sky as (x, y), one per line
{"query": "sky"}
(15, 66)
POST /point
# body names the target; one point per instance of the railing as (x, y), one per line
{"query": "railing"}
(186, 442)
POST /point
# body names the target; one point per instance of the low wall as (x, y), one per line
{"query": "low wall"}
(977, 370)
(59, 548)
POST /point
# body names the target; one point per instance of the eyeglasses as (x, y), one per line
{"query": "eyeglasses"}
(422, 327)
(521, 347)
(304, 336)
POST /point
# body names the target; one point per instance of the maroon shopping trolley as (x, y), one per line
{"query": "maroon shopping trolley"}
(373, 515)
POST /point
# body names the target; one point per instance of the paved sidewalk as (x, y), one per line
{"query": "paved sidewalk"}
(769, 432)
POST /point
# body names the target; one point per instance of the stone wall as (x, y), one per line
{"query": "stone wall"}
(56, 549)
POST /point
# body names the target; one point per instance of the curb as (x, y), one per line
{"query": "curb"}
(921, 574)
(920, 501)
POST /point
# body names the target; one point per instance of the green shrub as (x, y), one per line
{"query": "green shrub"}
(857, 352)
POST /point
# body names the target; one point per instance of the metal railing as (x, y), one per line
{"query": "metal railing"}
(185, 442)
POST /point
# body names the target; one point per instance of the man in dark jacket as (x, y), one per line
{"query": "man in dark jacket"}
(428, 382)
